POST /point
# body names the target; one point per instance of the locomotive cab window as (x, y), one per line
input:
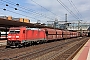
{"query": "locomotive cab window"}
(17, 31)
(11, 31)
(14, 31)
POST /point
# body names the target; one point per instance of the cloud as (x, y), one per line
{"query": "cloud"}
(53, 6)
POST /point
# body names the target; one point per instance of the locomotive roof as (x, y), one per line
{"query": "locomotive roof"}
(33, 29)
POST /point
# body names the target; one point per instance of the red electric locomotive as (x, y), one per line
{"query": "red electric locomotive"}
(22, 36)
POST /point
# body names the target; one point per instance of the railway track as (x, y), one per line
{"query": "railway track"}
(61, 54)
(48, 51)
(70, 50)
(7, 53)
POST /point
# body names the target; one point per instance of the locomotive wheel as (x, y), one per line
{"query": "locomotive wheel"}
(19, 46)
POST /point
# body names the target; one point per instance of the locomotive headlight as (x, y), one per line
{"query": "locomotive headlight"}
(17, 36)
(9, 36)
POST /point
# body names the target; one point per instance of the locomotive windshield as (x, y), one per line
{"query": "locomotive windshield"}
(14, 31)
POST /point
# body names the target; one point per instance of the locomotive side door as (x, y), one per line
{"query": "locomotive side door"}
(46, 34)
(24, 35)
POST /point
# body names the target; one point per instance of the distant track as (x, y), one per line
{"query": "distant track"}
(50, 51)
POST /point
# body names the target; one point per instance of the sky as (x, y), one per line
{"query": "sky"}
(47, 10)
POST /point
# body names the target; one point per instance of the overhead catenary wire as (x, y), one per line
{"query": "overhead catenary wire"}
(26, 9)
(29, 10)
(43, 7)
(60, 2)
(1, 13)
(73, 5)
(67, 9)
(16, 13)
(14, 4)
(76, 8)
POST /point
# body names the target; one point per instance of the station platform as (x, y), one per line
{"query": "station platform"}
(84, 53)
(3, 42)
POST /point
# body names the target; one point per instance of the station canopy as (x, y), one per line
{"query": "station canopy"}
(11, 23)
